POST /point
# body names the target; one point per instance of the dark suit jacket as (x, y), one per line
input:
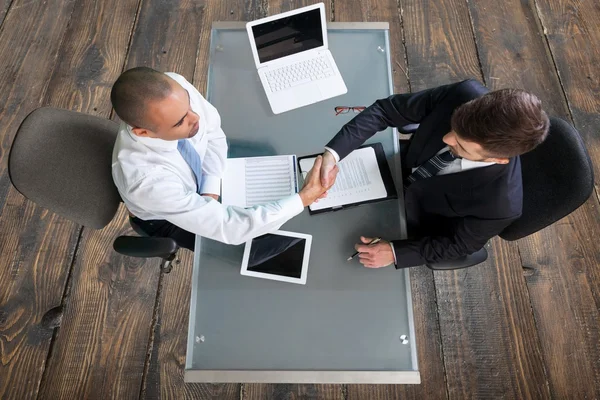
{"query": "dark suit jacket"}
(448, 216)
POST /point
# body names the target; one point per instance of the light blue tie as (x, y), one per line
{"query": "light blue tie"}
(192, 158)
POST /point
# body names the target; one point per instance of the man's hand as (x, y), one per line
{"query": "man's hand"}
(328, 169)
(313, 189)
(375, 256)
(214, 196)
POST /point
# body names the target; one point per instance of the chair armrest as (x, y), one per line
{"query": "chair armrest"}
(135, 246)
(464, 262)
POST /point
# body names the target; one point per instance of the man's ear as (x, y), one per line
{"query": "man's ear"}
(141, 132)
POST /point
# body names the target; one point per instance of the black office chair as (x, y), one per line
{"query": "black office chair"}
(61, 160)
(558, 177)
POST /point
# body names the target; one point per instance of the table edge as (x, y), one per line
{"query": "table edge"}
(335, 377)
(330, 25)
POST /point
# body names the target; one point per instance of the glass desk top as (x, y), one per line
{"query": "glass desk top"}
(348, 324)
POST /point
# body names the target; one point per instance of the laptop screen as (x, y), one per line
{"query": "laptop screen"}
(287, 36)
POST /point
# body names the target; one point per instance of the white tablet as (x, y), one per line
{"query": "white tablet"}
(280, 256)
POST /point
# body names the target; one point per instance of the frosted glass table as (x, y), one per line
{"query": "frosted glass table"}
(348, 324)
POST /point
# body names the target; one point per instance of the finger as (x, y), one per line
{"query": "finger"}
(366, 257)
(318, 163)
(325, 177)
(365, 239)
(361, 248)
(370, 265)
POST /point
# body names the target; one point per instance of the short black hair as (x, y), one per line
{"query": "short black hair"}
(132, 91)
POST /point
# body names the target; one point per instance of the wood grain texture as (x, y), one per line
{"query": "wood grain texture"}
(439, 42)
(36, 247)
(101, 345)
(379, 11)
(292, 391)
(561, 261)
(166, 36)
(491, 348)
(4, 6)
(573, 35)
(441, 49)
(102, 341)
(165, 375)
(279, 6)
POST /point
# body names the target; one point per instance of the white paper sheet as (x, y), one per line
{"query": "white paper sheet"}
(358, 180)
(258, 180)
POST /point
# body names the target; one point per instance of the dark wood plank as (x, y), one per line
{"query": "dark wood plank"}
(573, 33)
(491, 348)
(425, 313)
(279, 6)
(36, 247)
(441, 49)
(561, 261)
(100, 348)
(379, 11)
(292, 391)
(165, 375)
(4, 6)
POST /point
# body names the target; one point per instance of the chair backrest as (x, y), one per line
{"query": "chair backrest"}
(61, 160)
(558, 177)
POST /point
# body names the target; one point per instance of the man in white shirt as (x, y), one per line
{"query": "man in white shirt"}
(168, 161)
(462, 172)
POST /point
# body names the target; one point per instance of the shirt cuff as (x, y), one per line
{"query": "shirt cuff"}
(394, 253)
(211, 184)
(292, 204)
(333, 153)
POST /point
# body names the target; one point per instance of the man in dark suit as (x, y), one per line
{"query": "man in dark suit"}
(462, 174)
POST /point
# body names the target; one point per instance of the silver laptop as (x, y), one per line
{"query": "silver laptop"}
(294, 64)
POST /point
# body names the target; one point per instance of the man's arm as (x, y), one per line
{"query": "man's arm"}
(396, 110)
(470, 235)
(164, 196)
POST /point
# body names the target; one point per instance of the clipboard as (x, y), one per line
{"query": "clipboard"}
(384, 171)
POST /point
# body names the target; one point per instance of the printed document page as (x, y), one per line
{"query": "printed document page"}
(358, 180)
(258, 180)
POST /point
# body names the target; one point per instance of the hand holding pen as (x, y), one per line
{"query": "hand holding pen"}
(371, 243)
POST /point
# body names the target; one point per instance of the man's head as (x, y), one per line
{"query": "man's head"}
(154, 105)
(497, 126)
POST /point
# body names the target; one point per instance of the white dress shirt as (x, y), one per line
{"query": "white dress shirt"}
(155, 182)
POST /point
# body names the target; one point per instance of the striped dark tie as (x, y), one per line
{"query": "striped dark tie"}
(431, 167)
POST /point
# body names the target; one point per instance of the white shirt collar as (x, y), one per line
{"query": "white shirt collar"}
(152, 142)
(468, 164)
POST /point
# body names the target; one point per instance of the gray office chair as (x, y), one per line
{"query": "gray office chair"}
(558, 177)
(61, 160)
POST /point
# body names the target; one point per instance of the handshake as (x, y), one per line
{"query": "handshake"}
(319, 180)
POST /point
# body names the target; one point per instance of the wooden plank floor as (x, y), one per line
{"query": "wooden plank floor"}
(79, 321)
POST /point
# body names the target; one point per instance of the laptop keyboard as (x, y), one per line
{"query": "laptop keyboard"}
(299, 73)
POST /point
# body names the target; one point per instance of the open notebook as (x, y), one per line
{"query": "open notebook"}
(364, 177)
(258, 180)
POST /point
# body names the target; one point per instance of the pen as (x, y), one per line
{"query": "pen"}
(372, 242)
